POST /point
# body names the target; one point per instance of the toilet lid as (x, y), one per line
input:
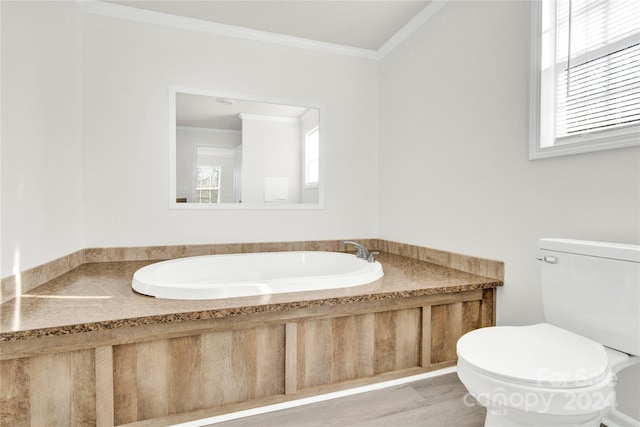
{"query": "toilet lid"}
(542, 354)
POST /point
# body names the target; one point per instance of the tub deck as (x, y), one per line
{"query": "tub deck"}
(87, 343)
(98, 296)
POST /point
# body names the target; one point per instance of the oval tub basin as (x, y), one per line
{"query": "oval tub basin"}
(252, 274)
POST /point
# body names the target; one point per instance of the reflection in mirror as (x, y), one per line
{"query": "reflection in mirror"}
(232, 151)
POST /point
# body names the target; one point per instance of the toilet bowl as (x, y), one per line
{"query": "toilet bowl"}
(538, 375)
(563, 372)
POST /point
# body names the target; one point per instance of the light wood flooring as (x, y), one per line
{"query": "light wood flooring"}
(434, 402)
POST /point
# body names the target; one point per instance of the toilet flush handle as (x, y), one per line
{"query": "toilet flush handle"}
(548, 259)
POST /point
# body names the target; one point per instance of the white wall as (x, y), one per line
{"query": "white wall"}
(41, 147)
(127, 67)
(270, 148)
(454, 171)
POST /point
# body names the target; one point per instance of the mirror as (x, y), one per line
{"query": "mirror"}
(241, 152)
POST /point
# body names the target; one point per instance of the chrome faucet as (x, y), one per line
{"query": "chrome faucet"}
(362, 251)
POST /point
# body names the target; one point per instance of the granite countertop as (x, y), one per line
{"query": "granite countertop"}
(98, 296)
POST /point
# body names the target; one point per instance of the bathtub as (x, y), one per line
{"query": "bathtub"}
(253, 274)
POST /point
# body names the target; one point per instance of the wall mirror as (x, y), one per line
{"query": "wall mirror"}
(232, 151)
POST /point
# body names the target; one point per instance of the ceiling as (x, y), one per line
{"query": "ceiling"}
(223, 113)
(364, 24)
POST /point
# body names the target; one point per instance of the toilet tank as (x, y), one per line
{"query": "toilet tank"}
(593, 289)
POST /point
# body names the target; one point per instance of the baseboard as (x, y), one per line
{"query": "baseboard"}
(618, 419)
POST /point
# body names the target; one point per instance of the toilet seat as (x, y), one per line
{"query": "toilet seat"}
(539, 355)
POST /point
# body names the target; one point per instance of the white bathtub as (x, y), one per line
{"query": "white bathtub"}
(239, 275)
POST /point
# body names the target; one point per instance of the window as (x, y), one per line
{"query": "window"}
(208, 184)
(312, 158)
(585, 91)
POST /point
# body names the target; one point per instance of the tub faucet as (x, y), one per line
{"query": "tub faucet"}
(362, 251)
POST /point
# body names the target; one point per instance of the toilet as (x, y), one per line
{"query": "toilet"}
(561, 372)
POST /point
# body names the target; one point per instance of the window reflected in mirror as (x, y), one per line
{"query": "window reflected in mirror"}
(207, 179)
(311, 158)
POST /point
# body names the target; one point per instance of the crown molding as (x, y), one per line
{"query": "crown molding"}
(423, 16)
(152, 17)
(142, 15)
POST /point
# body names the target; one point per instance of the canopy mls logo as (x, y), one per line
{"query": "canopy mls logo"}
(499, 399)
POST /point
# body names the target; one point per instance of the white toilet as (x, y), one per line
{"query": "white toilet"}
(561, 373)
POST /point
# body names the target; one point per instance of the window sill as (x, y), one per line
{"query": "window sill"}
(610, 140)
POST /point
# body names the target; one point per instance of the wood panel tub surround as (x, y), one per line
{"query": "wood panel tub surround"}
(177, 361)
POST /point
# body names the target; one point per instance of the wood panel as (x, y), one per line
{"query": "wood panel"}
(159, 378)
(15, 404)
(152, 376)
(397, 340)
(125, 396)
(471, 314)
(352, 347)
(56, 389)
(425, 353)
(104, 386)
(270, 361)
(291, 358)
(488, 309)
(314, 353)
(446, 328)
(360, 346)
(335, 350)
(448, 323)
(183, 374)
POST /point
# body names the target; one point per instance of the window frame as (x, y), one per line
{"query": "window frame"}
(210, 189)
(311, 184)
(542, 142)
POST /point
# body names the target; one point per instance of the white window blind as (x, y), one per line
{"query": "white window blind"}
(598, 53)
(591, 48)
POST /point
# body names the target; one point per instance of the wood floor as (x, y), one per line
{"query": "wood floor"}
(438, 401)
